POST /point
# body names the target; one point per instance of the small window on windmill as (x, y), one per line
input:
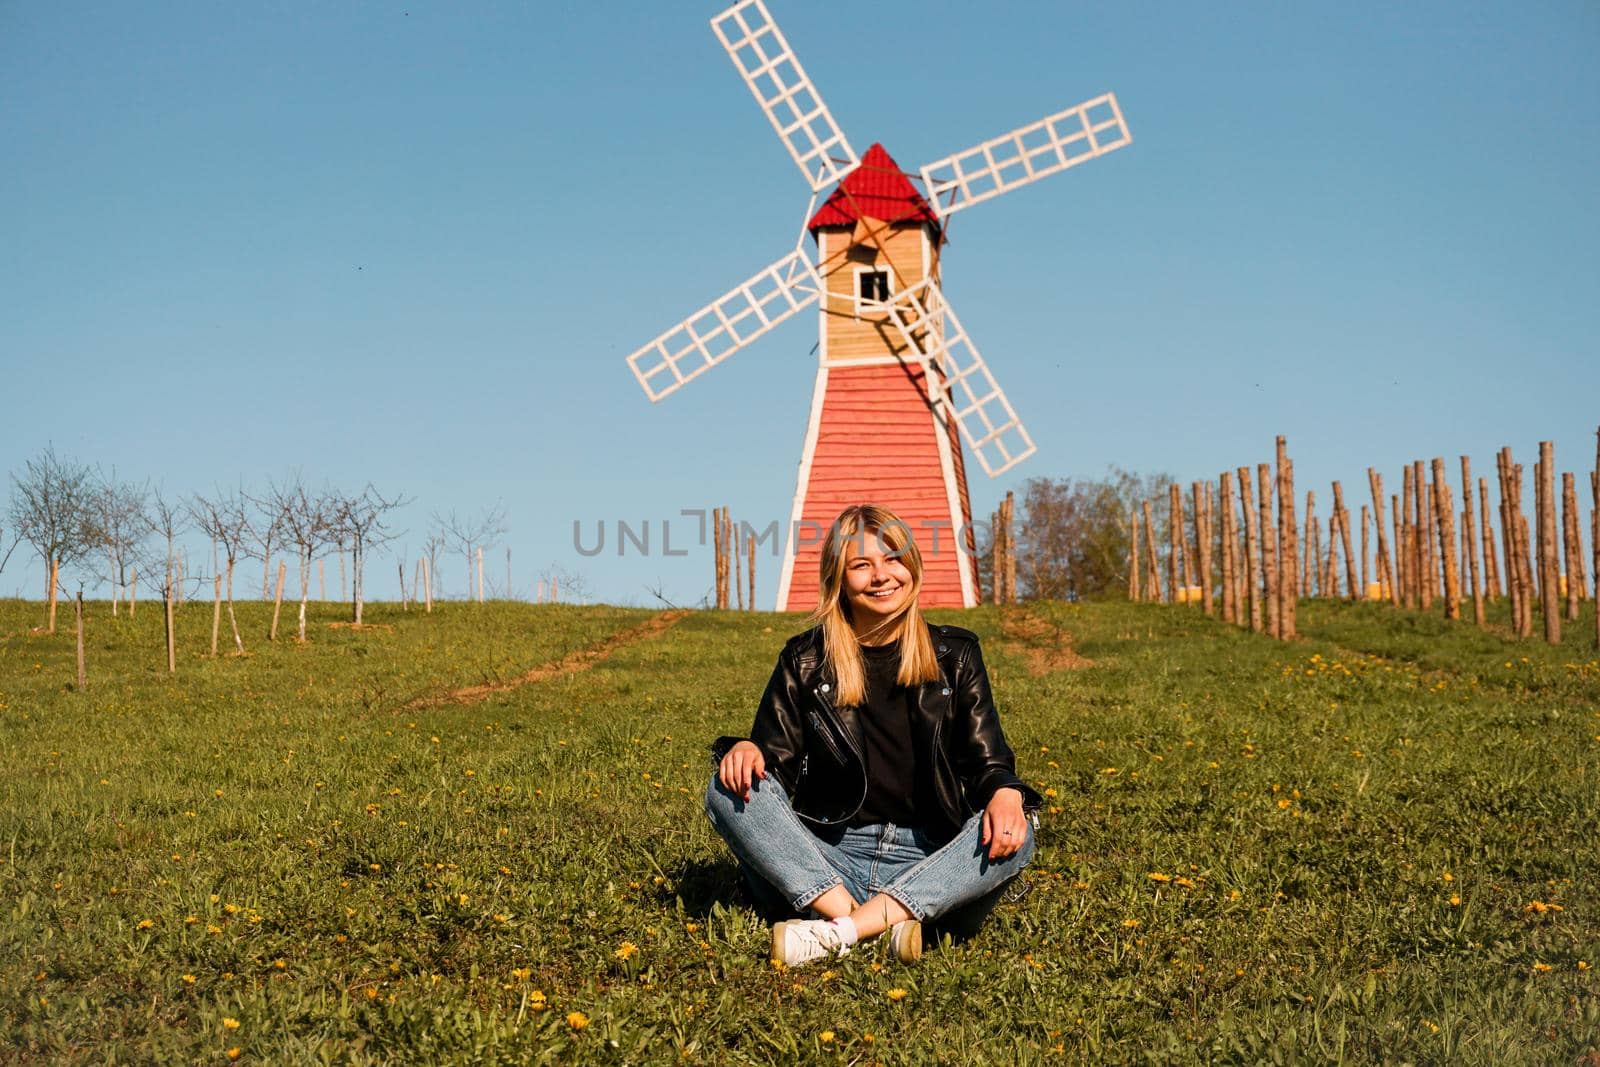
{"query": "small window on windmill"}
(872, 285)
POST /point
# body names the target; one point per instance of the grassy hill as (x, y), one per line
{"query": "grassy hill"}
(1375, 843)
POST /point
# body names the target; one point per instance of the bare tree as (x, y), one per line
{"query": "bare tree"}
(306, 522)
(53, 509)
(571, 587)
(360, 521)
(467, 533)
(16, 539)
(432, 549)
(264, 535)
(123, 526)
(225, 518)
(165, 520)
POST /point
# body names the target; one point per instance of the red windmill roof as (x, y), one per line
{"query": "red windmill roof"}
(877, 189)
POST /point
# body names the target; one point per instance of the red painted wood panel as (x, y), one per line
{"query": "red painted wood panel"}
(876, 444)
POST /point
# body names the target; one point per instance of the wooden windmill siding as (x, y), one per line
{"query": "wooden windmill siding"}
(874, 435)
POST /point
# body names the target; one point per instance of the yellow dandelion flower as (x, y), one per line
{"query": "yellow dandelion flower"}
(1157, 876)
(896, 994)
(1050, 792)
(235, 1052)
(577, 1020)
(1541, 966)
(145, 924)
(230, 1024)
(189, 979)
(627, 950)
(826, 1037)
(1129, 924)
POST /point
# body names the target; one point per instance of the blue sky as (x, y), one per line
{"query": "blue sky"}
(413, 243)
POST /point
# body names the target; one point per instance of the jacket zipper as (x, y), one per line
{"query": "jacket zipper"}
(861, 761)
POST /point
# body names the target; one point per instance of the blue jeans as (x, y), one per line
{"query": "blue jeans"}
(792, 866)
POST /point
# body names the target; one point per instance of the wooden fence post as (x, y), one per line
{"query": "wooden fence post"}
(737, 552)
(1427, 581)
(277, 601)
(1174, 541)
(51, 577)
(1469, 541)
(1508, 537)
(1491, 565)
(1133, 558)
(1008, 511)
(1345, 544)
(1549, 552)
(1230, 604)
(1288, 586)
(1573, 542)
(1594, 534)
(1386, 568)
(1309, 564)
(750, 568)
(1524, 552)
(1445, 522)
(1408, 516)
(1152, 572)
(1366, 550)
(216, 613)
(83, 676)
(1202, 537)
(1252, 557)
(1269, 548)
(427, 586)
(169, 611)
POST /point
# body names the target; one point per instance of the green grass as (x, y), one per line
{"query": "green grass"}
(1367, 845)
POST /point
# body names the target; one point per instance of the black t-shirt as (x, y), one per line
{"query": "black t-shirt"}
(894, 784)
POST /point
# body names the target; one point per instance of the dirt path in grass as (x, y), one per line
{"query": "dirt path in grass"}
(1046, 646)
(577, 660)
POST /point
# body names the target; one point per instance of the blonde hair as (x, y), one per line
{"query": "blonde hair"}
(841, 649)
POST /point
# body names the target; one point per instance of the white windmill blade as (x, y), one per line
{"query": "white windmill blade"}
(959, 376)
(725, 325)
(1027, 154)
(787, 97)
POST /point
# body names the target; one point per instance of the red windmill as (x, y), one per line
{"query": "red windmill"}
(899, 383)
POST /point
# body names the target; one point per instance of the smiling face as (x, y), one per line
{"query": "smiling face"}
(876, 582)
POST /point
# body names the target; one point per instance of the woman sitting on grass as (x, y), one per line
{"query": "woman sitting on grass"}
(876, 788)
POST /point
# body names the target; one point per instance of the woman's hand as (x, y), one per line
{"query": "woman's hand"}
(1005, 827)
(744, 764)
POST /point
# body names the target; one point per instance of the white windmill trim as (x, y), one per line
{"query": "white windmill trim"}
(941, 436)
(807, 452)
(776, 79)
(1026, 154)
(873, 361)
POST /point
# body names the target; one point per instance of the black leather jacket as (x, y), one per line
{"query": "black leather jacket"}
(814, 747)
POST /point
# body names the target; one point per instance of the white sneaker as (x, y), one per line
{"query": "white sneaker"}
(905, 941)
(799, 941)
